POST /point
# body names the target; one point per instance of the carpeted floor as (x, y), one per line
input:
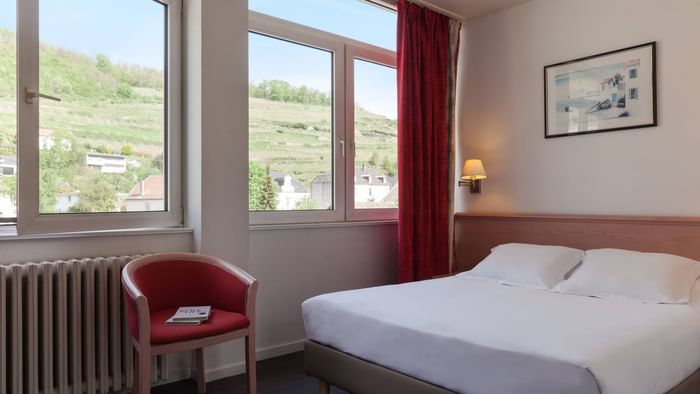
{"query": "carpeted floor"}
(280, 375)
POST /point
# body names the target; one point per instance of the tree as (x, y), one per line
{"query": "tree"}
(157, 162)
(374, 160)
(261, 191)
(103, 63)
(96, 195)
(125, 91)
(8, 187)
(127, 150)
(389, 167)
(269, 197)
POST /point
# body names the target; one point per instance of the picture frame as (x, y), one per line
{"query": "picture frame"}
(609, 91)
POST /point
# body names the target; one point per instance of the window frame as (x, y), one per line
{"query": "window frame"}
(29, 218)
(344, 50)
(381, 57)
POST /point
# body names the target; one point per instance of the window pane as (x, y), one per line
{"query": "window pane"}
(377, 27)
(291, 126)
(102, 146)
(376, 181)
(8, 110)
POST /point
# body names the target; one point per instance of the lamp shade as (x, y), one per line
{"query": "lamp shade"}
(473, 170)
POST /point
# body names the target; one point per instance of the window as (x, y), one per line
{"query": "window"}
(322, 114)
(375, 135)
(634, 93)
(95, 100)
(8, 111)
(291, 125)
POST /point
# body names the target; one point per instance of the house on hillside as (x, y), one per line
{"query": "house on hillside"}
(47, 140)
(291, 191)
(322, 191)
(371, 186)
(8, 165)
(66, 201)
(147, 195)
(107, 163)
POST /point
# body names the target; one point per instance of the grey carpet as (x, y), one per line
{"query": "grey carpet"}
(280, 375)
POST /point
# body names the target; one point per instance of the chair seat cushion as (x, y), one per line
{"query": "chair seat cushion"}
(219, 322)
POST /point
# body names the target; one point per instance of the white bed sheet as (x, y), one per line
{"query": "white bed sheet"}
(631, 348)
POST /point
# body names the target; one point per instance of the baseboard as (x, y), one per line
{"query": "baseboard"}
(238, 368)
(224, 371)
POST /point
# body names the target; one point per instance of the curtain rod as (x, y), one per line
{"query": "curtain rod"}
(393, 4)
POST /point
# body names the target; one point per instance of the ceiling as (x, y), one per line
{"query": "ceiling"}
(471, 8)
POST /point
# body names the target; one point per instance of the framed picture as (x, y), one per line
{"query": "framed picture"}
(606, 92)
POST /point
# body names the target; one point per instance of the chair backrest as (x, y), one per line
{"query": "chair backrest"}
(188, 279)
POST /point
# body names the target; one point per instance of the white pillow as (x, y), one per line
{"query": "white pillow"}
(527, 265)
(624, 274)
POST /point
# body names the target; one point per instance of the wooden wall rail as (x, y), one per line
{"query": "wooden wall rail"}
(476, 234)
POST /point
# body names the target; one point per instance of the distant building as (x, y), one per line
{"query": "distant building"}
(322, 191)
(291, 191)
(66, 201)
(371, 189)
(8, 165)
(106, 163)
(7, 208)
(147, 195)
(371, 186)
(47, 140)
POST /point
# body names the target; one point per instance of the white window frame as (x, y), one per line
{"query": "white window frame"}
(344, 50)
(29, 219)
(382, 57)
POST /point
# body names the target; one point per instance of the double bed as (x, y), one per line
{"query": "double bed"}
(468, 335)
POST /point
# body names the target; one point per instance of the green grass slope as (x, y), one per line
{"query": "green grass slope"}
(108, 106)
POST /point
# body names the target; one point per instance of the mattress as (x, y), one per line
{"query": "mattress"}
(439, 330)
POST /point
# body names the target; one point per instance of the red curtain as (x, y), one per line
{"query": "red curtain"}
(423, 163)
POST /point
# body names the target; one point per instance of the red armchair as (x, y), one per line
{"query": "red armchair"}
(156, 285)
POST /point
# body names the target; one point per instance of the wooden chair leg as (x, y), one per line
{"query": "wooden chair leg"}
(137, 372)
(250, 364)
(324, 387)
(201, 377)
(144, 371)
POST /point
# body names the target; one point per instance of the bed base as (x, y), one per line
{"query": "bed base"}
(358, 376)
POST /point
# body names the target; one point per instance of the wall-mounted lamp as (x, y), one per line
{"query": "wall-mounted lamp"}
(472, 174)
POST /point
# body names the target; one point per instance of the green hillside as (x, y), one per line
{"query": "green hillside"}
(117, 108)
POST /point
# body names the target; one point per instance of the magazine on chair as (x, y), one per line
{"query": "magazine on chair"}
(190, 315)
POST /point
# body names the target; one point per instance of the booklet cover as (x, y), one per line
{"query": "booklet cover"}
(193, 315)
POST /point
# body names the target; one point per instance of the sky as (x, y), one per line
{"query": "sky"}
(375, 86)
(128, 31)
(132, 31)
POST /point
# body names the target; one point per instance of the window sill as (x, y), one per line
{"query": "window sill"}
(9, 233)
(293, 226)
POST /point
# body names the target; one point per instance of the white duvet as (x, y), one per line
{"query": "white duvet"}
(631, 348)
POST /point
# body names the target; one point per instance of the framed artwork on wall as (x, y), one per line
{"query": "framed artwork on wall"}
(605, 92)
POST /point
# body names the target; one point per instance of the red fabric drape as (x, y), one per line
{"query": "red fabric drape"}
(422, 68)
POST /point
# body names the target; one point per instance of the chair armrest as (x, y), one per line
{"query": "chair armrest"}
(249, 282)
(137, 309)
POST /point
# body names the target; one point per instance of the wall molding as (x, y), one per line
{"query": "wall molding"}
(237, 368)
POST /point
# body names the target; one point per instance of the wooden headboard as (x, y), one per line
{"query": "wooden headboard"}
(475, 235)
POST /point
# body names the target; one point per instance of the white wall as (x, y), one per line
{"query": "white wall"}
(649, 171)
(294, 264)
(216, 137)
(291, 264)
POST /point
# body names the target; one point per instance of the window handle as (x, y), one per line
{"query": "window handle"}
(30, 95)
(342, 147)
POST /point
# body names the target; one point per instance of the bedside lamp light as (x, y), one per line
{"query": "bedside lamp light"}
(472, 174)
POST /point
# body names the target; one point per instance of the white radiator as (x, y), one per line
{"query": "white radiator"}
(63, 328)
